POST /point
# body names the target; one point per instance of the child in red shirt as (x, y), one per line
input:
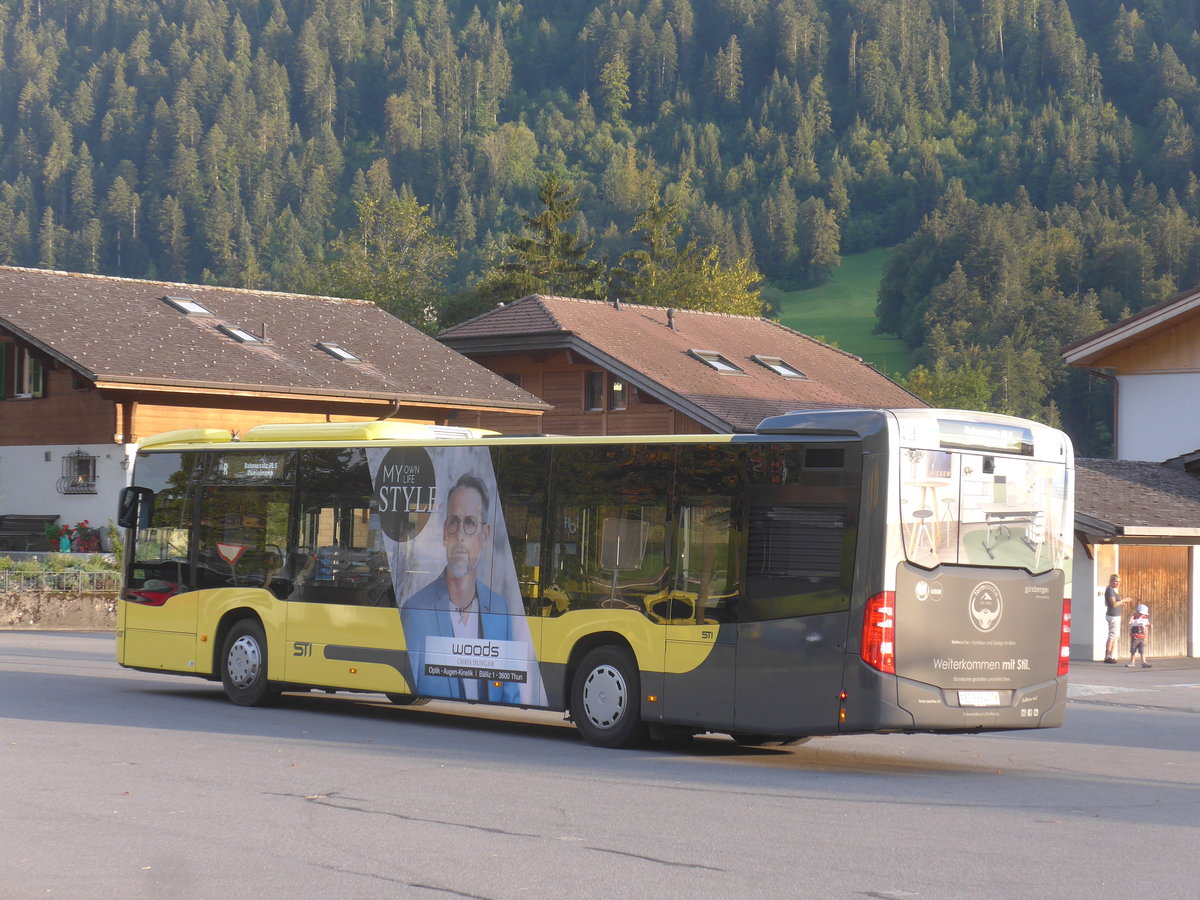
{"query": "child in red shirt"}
(1139, 630)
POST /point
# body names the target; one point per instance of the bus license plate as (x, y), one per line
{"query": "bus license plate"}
(978, 698)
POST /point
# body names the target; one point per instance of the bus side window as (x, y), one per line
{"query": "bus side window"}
(610, 529)
(339, 556)
(803, 528)
(521, 486)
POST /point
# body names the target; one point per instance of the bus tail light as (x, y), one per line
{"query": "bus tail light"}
(1064, 640)
(879, 633)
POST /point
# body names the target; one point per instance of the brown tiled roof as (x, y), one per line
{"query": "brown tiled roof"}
(119, 330)
(1125, 497)
(639, 343)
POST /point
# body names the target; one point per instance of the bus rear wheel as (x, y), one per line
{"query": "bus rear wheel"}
(244, 665)
(606, 699)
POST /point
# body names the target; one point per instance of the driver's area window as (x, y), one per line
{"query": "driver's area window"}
(242, 537)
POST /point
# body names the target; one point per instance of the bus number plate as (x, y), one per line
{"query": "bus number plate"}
(978, 698)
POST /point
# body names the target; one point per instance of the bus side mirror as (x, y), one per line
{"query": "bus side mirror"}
(135, 507)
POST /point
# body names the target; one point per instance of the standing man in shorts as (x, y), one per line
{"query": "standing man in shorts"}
(1112, 616)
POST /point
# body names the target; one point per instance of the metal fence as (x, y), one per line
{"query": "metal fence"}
(68, 582)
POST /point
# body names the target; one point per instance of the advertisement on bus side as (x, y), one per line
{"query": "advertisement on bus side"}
(453, 573)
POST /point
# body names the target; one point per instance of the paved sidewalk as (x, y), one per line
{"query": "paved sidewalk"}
(1168, 684)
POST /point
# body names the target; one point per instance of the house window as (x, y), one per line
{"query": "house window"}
(513, 378)
(617, 394)
(602, 391)
(78, 474)
(593, 391)
(716, 361)
(779, 367)
(21, 373)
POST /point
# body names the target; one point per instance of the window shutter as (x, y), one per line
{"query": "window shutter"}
(3, 371)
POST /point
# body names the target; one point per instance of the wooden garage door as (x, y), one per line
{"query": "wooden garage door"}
(1158, 577)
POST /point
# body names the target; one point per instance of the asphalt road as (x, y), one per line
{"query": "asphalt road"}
(123, 784)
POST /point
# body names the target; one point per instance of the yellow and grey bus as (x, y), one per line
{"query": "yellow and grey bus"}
(836, 571)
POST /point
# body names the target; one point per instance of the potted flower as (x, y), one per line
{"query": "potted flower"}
(53, 535)
(87, 538)
(64, 539)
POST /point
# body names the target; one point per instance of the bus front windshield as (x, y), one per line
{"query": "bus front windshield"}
(983, 509)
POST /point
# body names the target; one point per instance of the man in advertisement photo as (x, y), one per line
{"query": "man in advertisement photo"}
(458, 629)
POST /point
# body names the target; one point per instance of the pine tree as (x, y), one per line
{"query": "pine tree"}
(547, 259)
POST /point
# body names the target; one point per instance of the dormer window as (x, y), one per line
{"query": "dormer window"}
(337, 352)
(187, 307)
(779, 367)
(716, 361)
(241, 335)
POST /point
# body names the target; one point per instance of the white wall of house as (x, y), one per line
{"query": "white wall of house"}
(1089, 631)
(29, 482)
(1158, 416)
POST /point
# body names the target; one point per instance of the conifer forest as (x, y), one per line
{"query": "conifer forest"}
(1032, 163)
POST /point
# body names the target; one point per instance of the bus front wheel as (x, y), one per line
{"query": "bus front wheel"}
(407, 699)
(244, 665)
(606, 699)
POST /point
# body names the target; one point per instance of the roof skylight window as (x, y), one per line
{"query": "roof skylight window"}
(241, 335)
(717, 361)
(187, 307)
(337, 352)
(779, 367)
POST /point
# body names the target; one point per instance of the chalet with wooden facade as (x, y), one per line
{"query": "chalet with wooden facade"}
(89, 364)
(613, 368)
(1139, 514)
(1153, 358)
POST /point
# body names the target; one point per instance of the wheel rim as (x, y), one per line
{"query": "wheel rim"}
(605, 696)
(245, 661)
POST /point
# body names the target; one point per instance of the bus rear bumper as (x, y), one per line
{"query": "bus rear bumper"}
(1040, 705)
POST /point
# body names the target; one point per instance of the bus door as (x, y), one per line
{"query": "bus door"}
(792, 622)
(698, 610)
(158, 613)
(343, 627)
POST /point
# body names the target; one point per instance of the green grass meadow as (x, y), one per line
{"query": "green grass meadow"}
(842, 312)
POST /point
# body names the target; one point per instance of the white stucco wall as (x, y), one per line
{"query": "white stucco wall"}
(28, 482)
(1158, 416)
(1088, 628)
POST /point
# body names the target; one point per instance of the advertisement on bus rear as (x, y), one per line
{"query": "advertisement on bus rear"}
(977, 629)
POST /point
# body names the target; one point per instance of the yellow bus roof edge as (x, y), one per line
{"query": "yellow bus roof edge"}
(187, 436)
